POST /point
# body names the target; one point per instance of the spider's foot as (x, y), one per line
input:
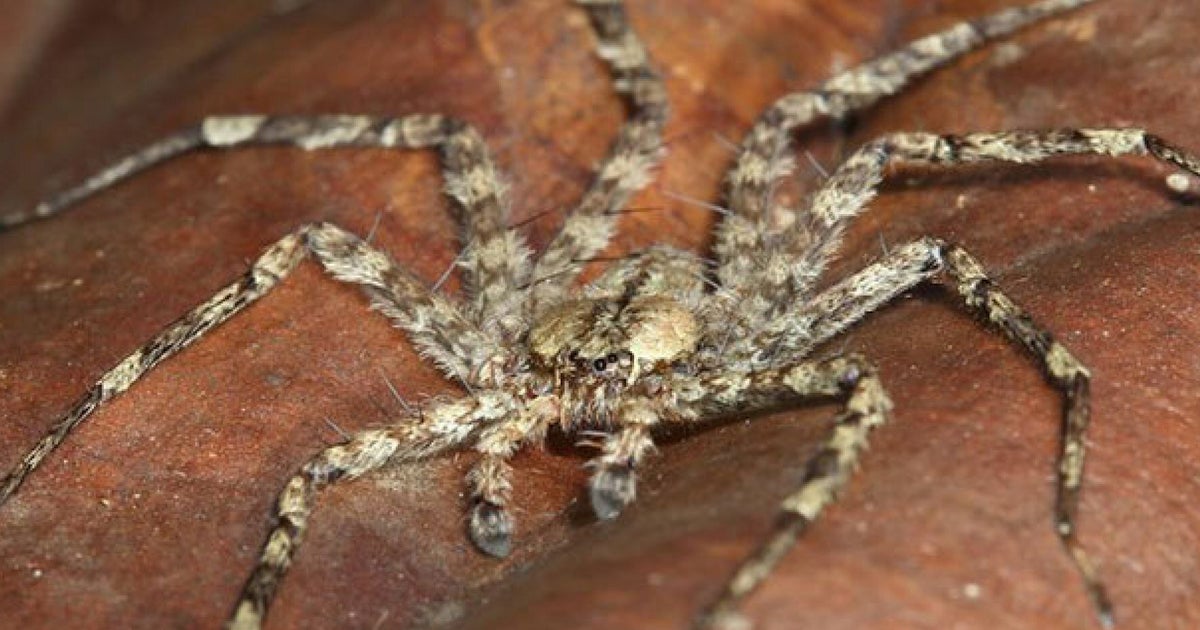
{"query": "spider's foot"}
(612, 488)
(490, 528)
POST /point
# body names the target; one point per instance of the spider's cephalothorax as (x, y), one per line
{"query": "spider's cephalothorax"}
(660, 337)
(596, 350)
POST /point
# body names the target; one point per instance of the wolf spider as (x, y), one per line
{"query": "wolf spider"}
(662, 336)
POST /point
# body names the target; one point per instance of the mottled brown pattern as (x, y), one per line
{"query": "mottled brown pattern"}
(1042, 342)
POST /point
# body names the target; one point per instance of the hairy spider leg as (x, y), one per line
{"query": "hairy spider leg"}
(746, 246)
(846, 193)
(435, 325)
(497, 260)
(437, 427)
(589, 227)
(826, 472)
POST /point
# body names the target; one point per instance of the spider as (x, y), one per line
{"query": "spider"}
(659, 338)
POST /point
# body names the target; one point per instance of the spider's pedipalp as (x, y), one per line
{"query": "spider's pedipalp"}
(614, 352)
(489, 523)
(490, 527)
(614, 481)
(611, 488)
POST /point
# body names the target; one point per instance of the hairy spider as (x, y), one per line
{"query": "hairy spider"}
(658, 338)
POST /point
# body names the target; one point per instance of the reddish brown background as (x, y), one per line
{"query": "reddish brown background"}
(152, 514)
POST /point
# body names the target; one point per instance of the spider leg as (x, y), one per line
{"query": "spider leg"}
(764, 155)
(496, 259)
(909, 265)
(231, 131)
(826, 472)
(614, 483)
(438, 427)
(489, 524)
(434, 324)
(271, 267)
(638, 148)
(844, 195)
(364, 452)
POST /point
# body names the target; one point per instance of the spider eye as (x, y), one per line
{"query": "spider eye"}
(611, 358)
(599, 365)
